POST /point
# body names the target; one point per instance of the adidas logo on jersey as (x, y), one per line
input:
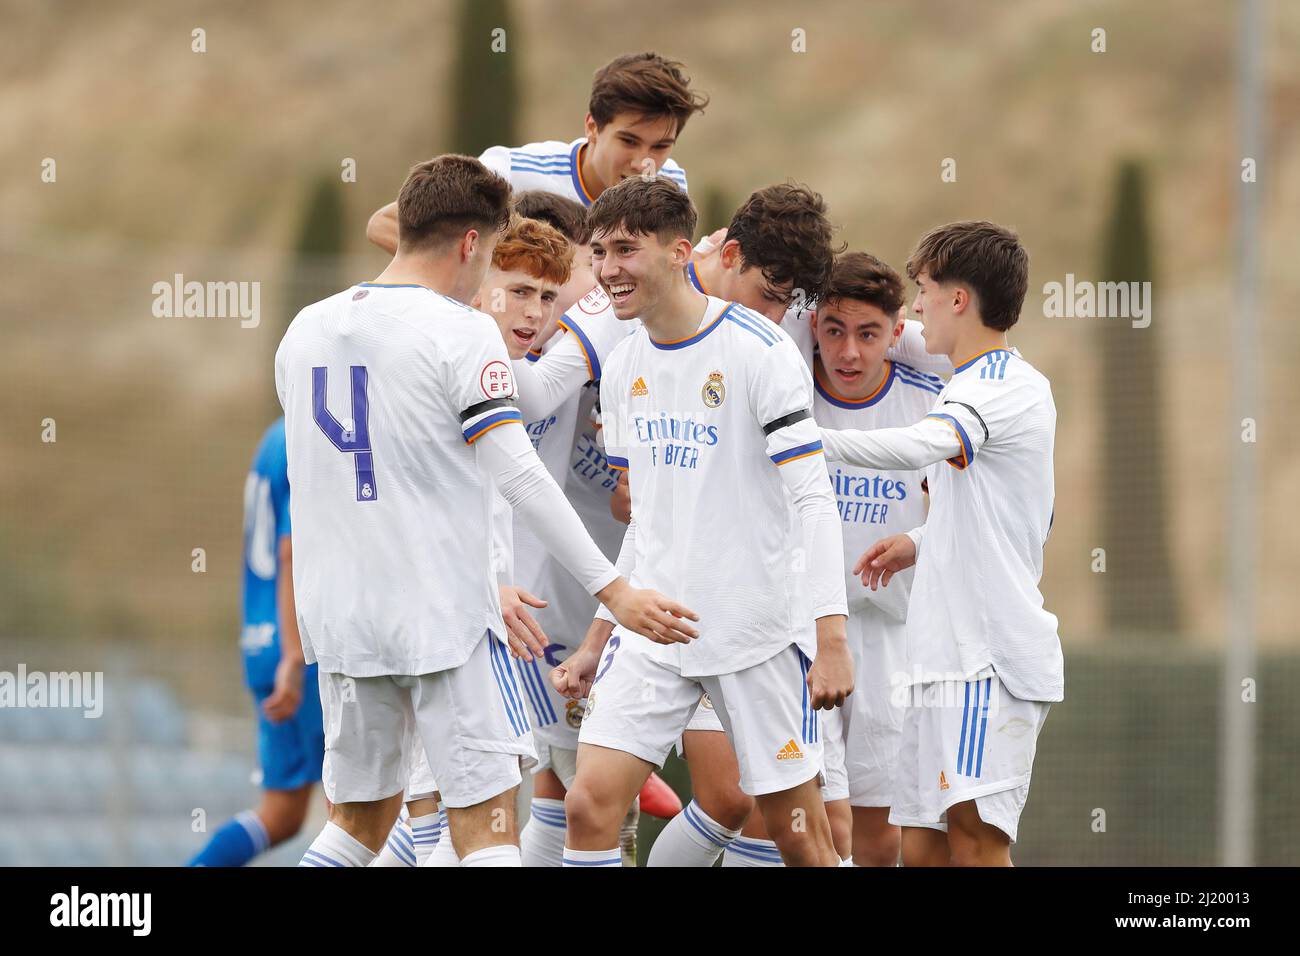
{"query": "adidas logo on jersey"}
(790, 751)
(638, 388)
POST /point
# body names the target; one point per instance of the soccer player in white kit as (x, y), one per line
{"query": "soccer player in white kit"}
(983, 654)
(638, 107)
(858, 387)
(530, 264)
(708, 406)
(398, 398)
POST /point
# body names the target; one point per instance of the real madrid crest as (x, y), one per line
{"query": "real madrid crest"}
(714, 391)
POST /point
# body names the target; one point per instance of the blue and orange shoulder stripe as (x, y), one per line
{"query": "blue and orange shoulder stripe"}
(967, 454)
(797, 452)
(478, 420)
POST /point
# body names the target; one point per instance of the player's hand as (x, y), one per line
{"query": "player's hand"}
(649, 613)
(572, 678)
(525, 636)
(287, 693)
(880, 562)
(620, 503)
(710, 243)
(830, 679)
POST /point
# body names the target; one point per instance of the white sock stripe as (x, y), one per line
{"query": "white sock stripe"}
(255, 829)
(403, 853)
(716, 831)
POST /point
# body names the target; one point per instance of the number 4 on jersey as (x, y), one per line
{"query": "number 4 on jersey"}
(354, 441)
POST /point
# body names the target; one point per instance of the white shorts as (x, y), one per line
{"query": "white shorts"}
(835, 778)
(471, 720)
(420, 783)
(559, 760)
(640, 706)
(555, 718)
(873, 714)
(966, 740)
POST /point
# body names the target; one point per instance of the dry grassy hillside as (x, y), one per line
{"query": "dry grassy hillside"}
(170, 161)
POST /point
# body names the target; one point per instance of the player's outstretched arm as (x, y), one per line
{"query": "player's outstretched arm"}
(913, 447)
(382, 228)
(798, 456)
(509, 459)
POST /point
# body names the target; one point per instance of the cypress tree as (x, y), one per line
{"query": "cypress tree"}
(1139, 579)
(484, 90)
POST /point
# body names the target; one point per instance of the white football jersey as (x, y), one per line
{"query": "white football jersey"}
(875, 503)
(552, 437)
(555, 167)
(715, 525)
(975, 599)
(385, 388)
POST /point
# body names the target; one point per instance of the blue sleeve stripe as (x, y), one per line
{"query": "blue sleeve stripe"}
(492, 421)
(967, 452)
(616, 462)
(540, 165)
(913, 377)
(746, 321)
(589, 350)
(799, 451)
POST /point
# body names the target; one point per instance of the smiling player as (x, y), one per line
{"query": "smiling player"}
(706, 398)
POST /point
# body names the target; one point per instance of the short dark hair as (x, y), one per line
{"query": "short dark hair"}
(445, 197)
(566, 215)
(644, 206)
(644, 84)
(862, 277)
(784, 231)
(982, 255)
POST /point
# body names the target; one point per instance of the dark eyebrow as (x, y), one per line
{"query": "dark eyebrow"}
(831, 318)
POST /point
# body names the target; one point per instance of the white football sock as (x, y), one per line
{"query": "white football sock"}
(444, 854)
(334, 846)
(426, 831)
(747, 851)
(594, 858)
(692, 838)
(398, 849)
(504, 855)
(542, 841)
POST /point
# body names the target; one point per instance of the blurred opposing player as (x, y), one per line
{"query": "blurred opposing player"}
(983, 653)
(773, 649)
(290, 739)
(639, 105)
(396, 595)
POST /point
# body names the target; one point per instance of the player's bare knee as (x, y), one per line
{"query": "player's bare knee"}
(877, 849)
(729, 807)
(588, 811)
